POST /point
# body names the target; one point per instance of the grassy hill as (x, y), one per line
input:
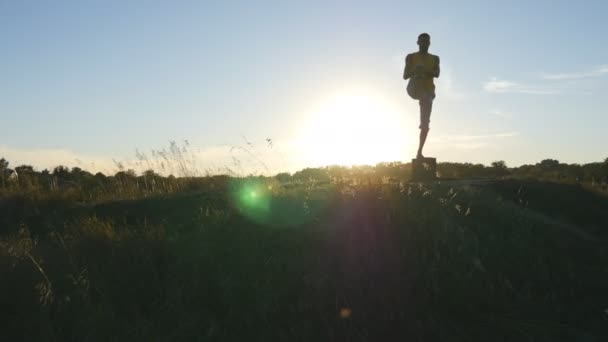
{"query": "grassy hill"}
(250, 259)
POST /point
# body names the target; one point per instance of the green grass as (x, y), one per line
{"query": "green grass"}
(509, 261)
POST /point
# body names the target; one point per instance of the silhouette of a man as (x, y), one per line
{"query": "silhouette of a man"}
(420, 68)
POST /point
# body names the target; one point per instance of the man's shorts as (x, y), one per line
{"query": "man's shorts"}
(426, 105)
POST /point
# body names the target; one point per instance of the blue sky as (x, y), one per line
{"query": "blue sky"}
(85, 82)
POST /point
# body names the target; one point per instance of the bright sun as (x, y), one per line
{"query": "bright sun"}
(354, 128)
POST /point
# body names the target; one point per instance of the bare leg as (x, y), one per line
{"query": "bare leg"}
(426, 105)
(423, 134)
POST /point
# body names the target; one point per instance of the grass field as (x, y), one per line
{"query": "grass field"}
(253, 260)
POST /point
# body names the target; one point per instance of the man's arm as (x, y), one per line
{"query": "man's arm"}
(407, 72)
(435, 71)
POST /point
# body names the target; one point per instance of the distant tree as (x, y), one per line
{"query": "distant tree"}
(499, 168)
(79, 175)
(394, 170)
(338, 172)
(47, 180)
(3, 171)
(27, 176)
(316, 174)
(61, 172)
(149, 174)
(77, 171)
(574, 172)
(549, 163)
(126, 177)
(97, 183)
(499, 164)
(283, 177)
(129, 174)
(149, 177)
(24, 169)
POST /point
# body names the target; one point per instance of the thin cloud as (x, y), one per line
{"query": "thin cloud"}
(495, 85)
(217, 159)
(559, 83)
(50, 158)
(445, 85)
(501, 114)
(597, 72)
(469, 146)
(467, 142)
(469, 137)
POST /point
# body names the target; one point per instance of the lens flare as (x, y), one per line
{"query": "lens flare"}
(253, 200)
(265, 202)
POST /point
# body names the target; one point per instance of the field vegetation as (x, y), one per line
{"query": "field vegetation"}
(488, 253)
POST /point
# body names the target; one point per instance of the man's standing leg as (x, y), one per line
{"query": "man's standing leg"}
(426, 106)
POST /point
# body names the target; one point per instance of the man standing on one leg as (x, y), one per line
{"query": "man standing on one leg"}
(420, 68)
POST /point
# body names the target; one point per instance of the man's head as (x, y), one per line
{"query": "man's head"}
(424, 41)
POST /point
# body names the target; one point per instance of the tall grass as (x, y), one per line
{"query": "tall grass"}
(332, 261)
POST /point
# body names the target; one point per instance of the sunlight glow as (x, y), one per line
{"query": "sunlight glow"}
(354, 128)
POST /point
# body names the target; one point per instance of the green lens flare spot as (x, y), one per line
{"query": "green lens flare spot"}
(269, 204)
(252, 199)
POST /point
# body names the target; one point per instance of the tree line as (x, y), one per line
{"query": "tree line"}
(79, 183)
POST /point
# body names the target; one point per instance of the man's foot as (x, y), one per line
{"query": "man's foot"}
(419, 155)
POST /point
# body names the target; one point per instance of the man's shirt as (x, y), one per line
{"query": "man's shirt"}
(430, 67)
